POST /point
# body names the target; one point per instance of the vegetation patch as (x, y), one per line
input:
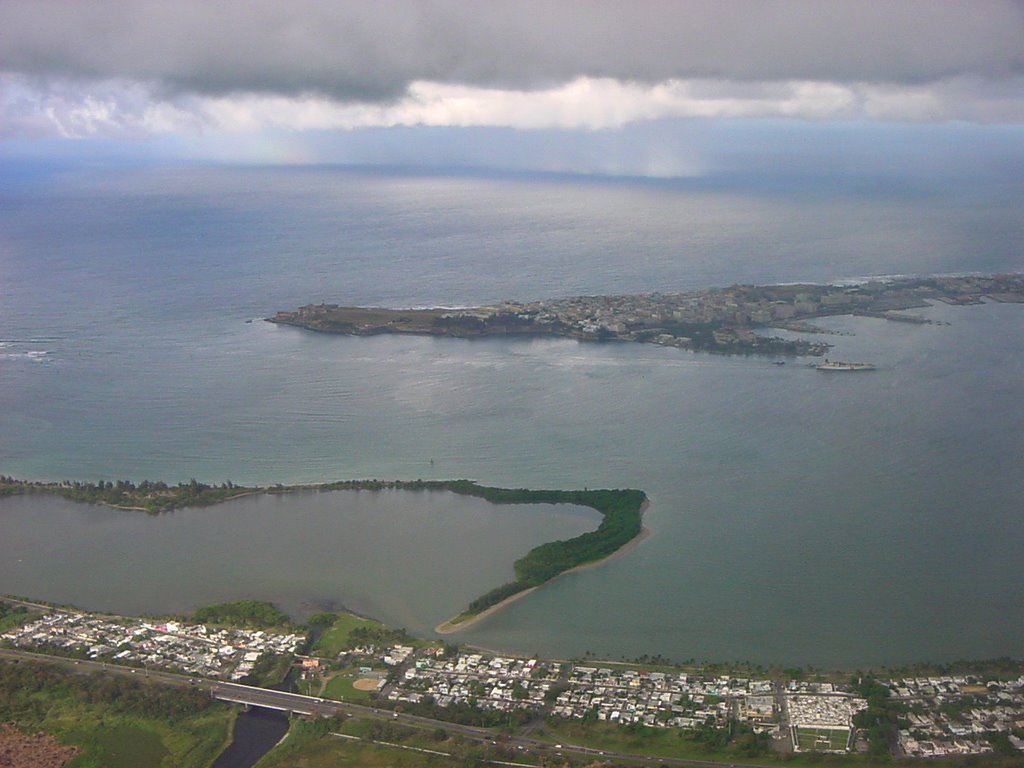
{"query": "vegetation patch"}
(148, 496)
(349, 631)
(310, 744)
(97, 712)
(121, 745)
(12, 616)
(621, 511)
(243, 613)
(737, 744)
(270, 670)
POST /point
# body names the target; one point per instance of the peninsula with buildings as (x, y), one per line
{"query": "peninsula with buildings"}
(721, 320)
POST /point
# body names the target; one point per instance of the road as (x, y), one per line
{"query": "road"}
(311, 705)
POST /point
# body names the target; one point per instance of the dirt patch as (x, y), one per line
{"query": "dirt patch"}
(365, 684)
(40, 750)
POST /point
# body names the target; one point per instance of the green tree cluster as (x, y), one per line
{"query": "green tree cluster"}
(378, 635)
(28, 690)
(881, 719)
(621, 522)
(243, 613)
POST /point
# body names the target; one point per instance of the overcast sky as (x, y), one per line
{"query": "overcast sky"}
(218, 77)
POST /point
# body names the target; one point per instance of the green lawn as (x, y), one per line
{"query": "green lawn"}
(124, 741)
(336, 639)
(609, 737)
(121, 745)
(822, 738)
(340, 688)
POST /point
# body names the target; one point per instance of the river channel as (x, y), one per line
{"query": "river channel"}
(256, 732)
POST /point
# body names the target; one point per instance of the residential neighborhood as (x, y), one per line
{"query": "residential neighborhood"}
(228, 654)
(940, 715)
(945, 715)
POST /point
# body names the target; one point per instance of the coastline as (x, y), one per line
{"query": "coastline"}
(447, 628)
(225, 500)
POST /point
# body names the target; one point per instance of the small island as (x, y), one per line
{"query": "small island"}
(620, 528)
(719, 320)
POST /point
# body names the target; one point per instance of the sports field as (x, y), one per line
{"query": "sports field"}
(822, 739)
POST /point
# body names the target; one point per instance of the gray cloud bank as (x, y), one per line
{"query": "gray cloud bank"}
(372, 51)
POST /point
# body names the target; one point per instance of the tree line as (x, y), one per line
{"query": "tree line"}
(621, 523)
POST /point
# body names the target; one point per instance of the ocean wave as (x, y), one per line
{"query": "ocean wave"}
(29, 354)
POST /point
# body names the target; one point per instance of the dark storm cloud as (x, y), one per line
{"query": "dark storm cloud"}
(371, 50)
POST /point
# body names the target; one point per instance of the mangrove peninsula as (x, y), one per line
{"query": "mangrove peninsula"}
(723, 321)
(620, 527)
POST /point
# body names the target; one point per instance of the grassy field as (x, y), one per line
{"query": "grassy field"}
(822, 738)
(340, 688)
(315, 744)
(122, 745)
(658, 742)
(311, 745)
(336, 639)
(330, 751)
(111, 741)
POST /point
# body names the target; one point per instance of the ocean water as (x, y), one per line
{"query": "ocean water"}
(796, 517)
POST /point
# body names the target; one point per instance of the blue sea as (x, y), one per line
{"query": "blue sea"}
(796, 517)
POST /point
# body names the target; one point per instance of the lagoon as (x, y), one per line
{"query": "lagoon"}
(409, 558)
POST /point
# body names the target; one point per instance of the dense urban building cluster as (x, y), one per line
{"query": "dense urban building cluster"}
(952, 715)
(618, 695)
(491, 682)
(194, 649)
(659, 699)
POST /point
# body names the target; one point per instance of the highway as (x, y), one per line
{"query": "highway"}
(249, 695)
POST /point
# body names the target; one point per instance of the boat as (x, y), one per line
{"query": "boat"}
(838, 365)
